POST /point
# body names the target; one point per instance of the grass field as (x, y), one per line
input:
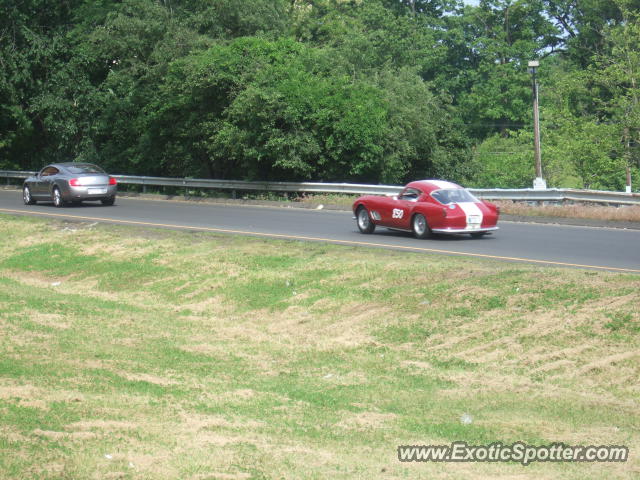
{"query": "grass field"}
(147, 354)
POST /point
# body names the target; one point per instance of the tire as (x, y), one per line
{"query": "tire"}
(363, 220)
(478, 234)
(420, 227)
(26, 196)
(56, 197)
(108, 201)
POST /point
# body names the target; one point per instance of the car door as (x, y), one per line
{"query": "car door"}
(37, 187)
(403, 207)
(45, 180)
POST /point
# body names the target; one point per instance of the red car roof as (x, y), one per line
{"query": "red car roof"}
(428, 186)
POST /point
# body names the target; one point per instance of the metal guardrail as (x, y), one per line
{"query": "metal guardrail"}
(526, 194)
(558, 195)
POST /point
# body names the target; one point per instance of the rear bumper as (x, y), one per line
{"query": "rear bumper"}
(457, 231)
(97, 192)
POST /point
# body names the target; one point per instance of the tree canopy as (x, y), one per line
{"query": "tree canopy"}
(326, 90)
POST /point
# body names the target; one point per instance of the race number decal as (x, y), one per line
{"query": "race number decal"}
(397, 213)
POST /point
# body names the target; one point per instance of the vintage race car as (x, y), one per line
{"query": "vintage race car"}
(425, 207)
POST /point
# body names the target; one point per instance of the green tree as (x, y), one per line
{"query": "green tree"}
(503, 162)
(505, 36)
(618, 72)
(582, 25)
(32, 47)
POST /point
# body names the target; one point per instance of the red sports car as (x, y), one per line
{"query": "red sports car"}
(428, 206)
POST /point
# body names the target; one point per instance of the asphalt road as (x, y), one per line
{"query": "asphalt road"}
(601, 248)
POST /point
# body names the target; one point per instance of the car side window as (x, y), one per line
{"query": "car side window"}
(410, 195)
(49, 171)
(442, 196)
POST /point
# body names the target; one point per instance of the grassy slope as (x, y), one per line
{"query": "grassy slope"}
(200, 356)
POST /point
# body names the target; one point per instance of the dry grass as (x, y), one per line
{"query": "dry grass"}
(584, 211)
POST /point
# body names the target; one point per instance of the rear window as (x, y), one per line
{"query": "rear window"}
(453, 195)
(85, 168)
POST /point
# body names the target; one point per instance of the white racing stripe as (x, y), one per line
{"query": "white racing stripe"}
(470, 208)
(443, 184)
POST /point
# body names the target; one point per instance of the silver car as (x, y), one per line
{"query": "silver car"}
(64, 183)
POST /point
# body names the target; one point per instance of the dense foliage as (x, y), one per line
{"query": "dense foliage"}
(327, 90)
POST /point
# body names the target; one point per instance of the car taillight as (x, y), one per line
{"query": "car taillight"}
(112, 181)
(74, 182)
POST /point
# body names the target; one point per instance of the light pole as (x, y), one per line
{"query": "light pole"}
(539, 183)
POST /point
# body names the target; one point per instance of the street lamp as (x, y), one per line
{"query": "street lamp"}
(539, 183)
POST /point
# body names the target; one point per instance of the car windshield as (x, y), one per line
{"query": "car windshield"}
(453, 195)
(84, 168)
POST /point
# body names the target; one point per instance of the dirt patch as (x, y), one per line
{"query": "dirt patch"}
(146, 377)
(416, 365)
(212, 349)
(32, 396)
(298, 326)
(18, 392)
(197, 422)
(551, 366)
(554, 354)
(37, 279)
(12, 436)
(53, 435)
(215, 305)
(53, 320)
(104, 425)
(607, 362)
(243, 394)
(221, 476)
(125, 248)
(367, 421)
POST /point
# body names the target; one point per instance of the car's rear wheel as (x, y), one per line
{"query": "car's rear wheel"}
(56, 196)
(420, 227)
(26, 196)
(365, 225)
(108, 201)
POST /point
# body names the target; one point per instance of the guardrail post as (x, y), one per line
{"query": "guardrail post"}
(233, 193)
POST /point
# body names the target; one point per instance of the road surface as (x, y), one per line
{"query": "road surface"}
(586, 247)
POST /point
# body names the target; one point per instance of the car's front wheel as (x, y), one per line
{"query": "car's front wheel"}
(478, 234)
(365, 225)
(56, 196)
(26, 196)
(420, 227)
